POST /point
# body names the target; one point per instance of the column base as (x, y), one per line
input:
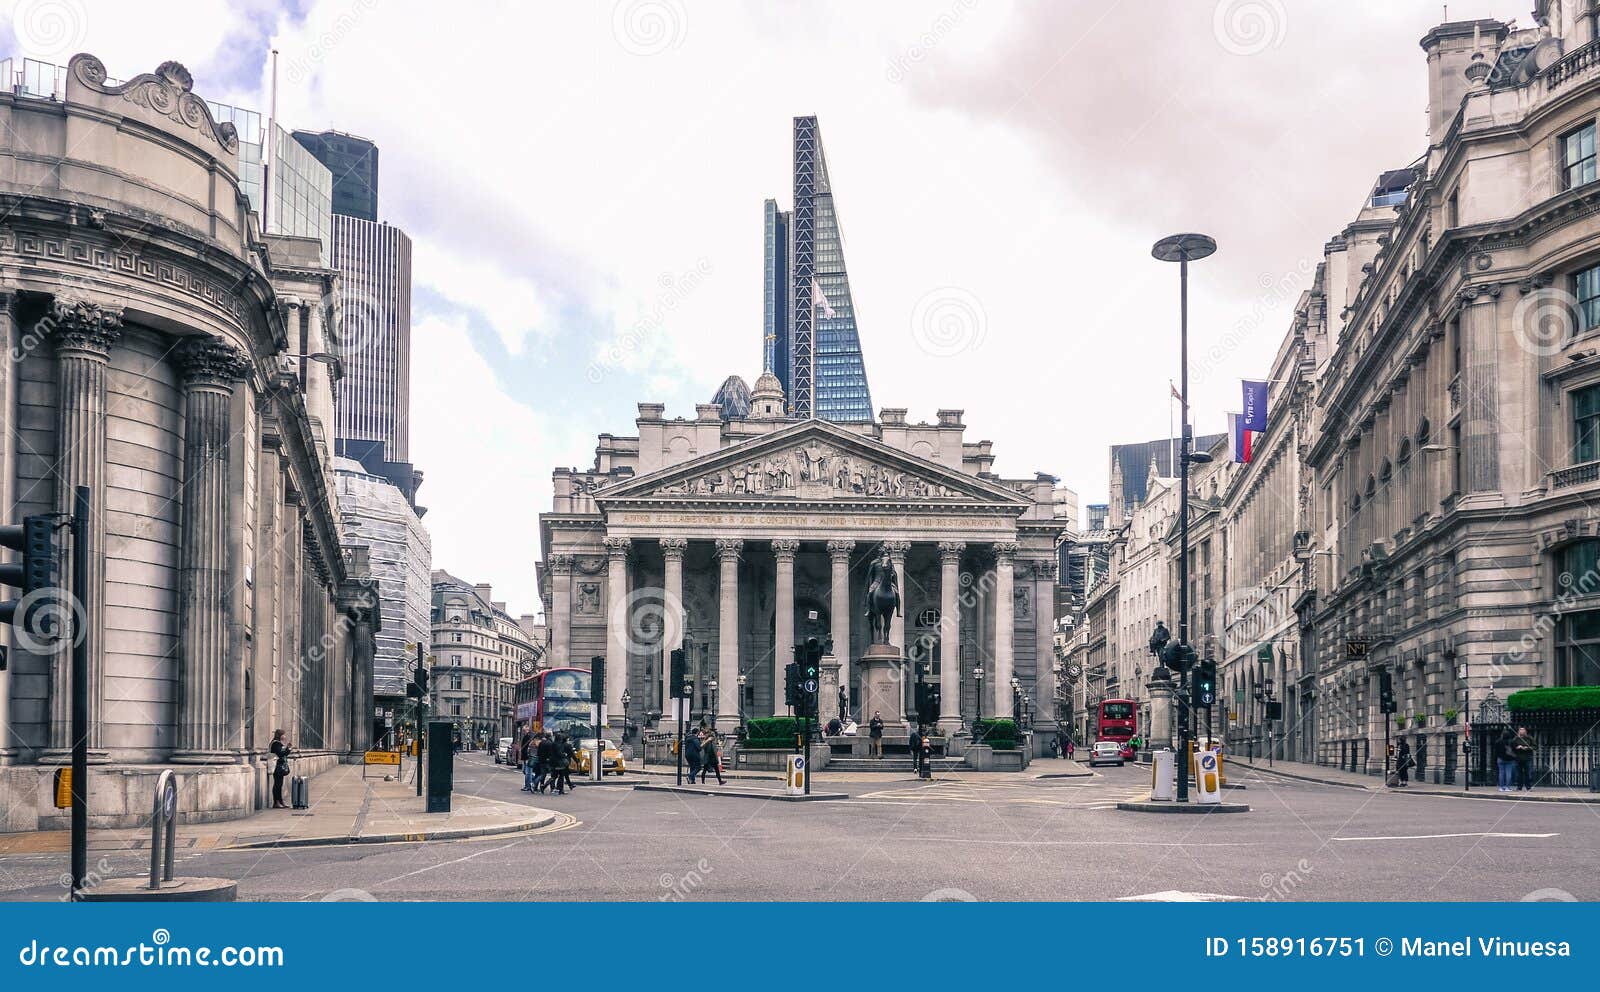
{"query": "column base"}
(56, 756)
(205, 758)
(727, 723)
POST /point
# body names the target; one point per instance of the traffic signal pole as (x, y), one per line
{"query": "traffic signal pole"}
(422, 713)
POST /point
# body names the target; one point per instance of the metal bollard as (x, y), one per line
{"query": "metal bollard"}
(164, 815)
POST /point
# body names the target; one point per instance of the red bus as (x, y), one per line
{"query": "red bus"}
(555, 700)
(1117, 721)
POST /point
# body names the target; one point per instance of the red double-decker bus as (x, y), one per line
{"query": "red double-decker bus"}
(555, 700)
(1118, 720)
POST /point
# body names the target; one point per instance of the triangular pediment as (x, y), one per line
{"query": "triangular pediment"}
(813, 461)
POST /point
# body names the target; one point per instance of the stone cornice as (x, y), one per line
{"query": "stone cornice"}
(168, 92)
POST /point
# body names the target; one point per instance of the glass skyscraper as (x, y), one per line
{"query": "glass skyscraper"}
(809, 335)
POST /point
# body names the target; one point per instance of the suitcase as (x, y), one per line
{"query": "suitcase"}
(299, 794)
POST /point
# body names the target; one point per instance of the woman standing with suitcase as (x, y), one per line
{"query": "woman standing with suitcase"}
(280, 768)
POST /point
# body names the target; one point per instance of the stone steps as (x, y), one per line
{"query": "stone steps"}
(900, 763)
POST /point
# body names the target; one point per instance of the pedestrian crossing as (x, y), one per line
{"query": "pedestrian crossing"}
(1094, 795)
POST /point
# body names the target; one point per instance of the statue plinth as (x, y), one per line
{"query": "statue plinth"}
(883, 685)
(828, 690)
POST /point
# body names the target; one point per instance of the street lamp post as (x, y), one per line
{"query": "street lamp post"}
(1183, 249)
(712, 685)
(741, 682)
(1016, 703)
(627, 697)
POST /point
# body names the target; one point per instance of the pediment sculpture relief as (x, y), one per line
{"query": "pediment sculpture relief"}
(814, 469)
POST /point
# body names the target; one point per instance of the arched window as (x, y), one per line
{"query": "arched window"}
(1386, 473)
(1404, 454)
(1424, 432)
(1372, 487)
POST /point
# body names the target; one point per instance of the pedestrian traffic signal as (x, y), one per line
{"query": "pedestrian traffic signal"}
(928, 701)
(679, 671)
(1206, 683)
(597, 679)
(418, 689)
(813, 659)
(1386, 702)
(34, 540)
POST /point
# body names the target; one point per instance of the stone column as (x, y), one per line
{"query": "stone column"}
(617, 623)
(728, 550)
(560, 609)
(207, 728)
(84, 335)
(950, 635)
(1162, 693)
(897, 551)
(839, 581)
(10, 344)
(783, 550)
(1044, 652)
(676, 616)
(1005, 622)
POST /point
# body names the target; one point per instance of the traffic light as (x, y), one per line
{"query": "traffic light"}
(813, 659)
(680, 671)
(791, 680)
(34, 539)
(597, 679)
(418, 689)
(928, 702)
(1206, 683)
(1386, 703)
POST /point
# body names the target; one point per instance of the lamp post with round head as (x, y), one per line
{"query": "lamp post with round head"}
(1183, 249)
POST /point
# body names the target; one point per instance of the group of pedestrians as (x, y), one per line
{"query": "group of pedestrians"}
(546, 762)
(701, 752)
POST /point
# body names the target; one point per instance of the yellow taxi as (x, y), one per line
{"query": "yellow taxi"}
(610, 758)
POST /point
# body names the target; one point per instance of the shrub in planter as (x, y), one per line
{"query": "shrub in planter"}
(1450, 717)
(769, 732)
(998, 734)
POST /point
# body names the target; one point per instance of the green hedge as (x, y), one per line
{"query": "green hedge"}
(773, 727)
(1570, 697)
(998, 734)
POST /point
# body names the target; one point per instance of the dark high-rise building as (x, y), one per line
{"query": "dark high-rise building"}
(809, 336)
(354, 164)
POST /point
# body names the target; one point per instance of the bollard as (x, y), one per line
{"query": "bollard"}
(163, 826)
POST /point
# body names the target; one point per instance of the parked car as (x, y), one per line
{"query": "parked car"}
(1106, 753)
(502, 752)
(611, 758)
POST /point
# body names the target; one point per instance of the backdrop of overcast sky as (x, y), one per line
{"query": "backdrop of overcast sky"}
(583, 183)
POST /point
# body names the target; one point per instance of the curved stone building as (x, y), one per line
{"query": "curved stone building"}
(161, 352)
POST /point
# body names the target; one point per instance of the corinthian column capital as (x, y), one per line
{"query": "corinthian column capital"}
(785, 547)
(560, 563)
(209, 361)
(86, 328)
(1005, 552)
(729, 547)
(897, 550)
(618, 547)
(951, 550)
(674, 547)
(840, 550)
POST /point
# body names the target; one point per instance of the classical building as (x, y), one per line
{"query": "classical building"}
(154, 345)
(478, 654)
(737, 538)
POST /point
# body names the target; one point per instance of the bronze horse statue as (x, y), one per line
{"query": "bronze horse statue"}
(882, 598)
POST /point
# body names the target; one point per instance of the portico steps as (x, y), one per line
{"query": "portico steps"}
(898, 763)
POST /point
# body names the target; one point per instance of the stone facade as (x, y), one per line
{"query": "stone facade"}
(478, 654)
(149, 333)
(736, 538)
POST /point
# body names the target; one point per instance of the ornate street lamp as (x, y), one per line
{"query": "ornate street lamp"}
(977, 676)
(712, 685)
(1183, 249)
(1016, 703)
(741, 681)
(627, 697)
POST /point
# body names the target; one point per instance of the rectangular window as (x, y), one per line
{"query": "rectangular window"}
(1578, 649)
(1586, 288)
(1585, 424)
(1577, 157)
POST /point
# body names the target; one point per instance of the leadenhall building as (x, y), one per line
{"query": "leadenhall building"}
(737, 536)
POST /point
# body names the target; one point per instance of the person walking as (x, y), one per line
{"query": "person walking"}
(875, 732)
(691, 754)
(525, 754)
(544, 757)
(1402, 766)
(710, 760)
(1522, 751)
(567, 754)
(916, 749)
(1505, 759)
(280, 768)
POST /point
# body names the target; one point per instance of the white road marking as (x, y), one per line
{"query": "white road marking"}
(1173, 895)
(1447, 836)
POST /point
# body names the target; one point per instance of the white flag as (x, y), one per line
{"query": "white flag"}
(820, 299)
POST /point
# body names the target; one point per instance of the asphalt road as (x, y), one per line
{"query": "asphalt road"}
(978, 838)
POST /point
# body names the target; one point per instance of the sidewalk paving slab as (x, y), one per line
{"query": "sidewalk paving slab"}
(741, 793)
(1323, 775)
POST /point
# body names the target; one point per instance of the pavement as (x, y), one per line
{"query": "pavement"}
(345, 809)
(1325, 775)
